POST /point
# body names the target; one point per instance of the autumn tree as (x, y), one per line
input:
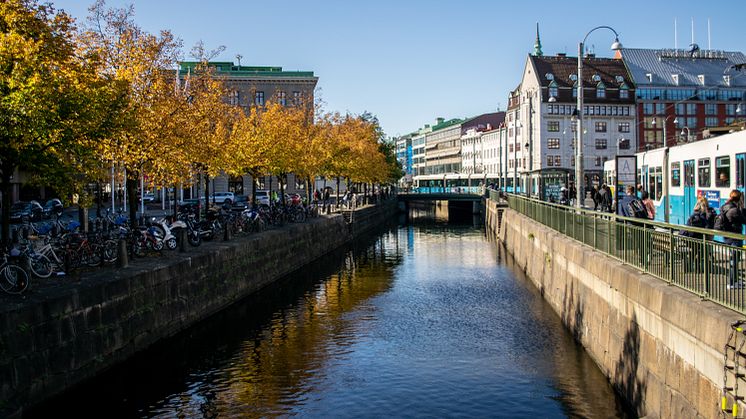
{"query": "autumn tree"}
(53, 105)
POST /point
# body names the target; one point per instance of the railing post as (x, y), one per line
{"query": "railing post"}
(706, 262)
(595, 232)
(671, 254)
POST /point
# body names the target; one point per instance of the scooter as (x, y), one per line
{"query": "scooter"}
(166, 230)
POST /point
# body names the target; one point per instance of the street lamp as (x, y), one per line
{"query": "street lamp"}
(616, 46)
(675, 121)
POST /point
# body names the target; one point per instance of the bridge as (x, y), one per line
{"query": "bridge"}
(440, 196)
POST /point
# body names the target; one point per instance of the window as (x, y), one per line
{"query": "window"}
(297, 97)
(553, 126)
(691, 122)
(233, 97)
(601, 143)
(710, 109)
(282, 98)
(722, 172)
(553, 143)
(623, 127)
(600, 91)
(600, 126)
(259, 98)
(553, 90)
(648, 109)
(623, 92)
(711, 121)
(510, 148)
(557, 161)
(550, 160)
(676, 174)
(598, 161)
(703, 173)
(624, 144)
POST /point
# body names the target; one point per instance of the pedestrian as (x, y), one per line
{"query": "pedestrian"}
(327, 195)
(731, 219)
(639, 190)
(596, 197)
(317, 196)
(703, 216)
(639, 240)
(564, 196)
(649, 205)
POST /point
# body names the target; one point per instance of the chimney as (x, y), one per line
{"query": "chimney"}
(439, 120)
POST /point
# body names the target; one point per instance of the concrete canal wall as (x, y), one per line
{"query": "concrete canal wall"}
(660, 346)
(60, 336)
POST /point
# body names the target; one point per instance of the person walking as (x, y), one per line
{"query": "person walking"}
(649, 205)
(731, 219)
(703, 216)
(595, 195)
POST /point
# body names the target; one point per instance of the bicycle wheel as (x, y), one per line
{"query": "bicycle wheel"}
(40, 265)
(92, 256)
(13, 279)
(111, 251)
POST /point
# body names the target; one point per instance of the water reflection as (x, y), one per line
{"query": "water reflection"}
(422, 320)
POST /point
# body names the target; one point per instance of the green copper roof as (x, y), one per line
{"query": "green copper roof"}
(446, 124)
(227, 68)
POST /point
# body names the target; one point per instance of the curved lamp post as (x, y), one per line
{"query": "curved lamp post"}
(616, 46)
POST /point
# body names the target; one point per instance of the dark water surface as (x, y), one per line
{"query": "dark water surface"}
(425, 320)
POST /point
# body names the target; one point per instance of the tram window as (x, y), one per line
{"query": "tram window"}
(722, 172)
(740, 170)
(676, 174)
(658, 184)
(704, 173)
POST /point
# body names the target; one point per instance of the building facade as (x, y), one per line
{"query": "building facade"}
(685, 91)
(542, 122)
(256, 86)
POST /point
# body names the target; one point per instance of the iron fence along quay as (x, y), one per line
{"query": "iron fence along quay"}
(703, 266)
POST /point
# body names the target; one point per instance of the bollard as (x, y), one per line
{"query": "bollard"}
(182, 237)
(122, 261)
(226, 233)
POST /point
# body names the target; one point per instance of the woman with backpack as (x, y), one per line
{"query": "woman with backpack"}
(731, 219)
(649, 205)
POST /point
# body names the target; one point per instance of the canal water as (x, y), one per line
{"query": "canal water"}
(424, 319)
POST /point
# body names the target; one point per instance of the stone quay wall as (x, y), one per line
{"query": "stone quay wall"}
(57, 337)
(661, 347)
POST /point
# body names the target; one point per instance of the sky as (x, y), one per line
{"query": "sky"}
(411, 61)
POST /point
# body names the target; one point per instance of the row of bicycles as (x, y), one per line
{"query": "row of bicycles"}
(56, 248)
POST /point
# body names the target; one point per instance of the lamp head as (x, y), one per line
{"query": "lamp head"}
(616, 46)
(552, 99)
(653, 121)
(676, 120)
(738, 108)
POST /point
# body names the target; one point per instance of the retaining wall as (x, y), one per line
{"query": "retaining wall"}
(58, 337)
(660, 346)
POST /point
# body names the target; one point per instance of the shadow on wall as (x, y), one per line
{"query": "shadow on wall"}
(626, 380)
(573, 312)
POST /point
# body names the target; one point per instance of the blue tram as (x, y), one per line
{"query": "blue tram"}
(676, 176)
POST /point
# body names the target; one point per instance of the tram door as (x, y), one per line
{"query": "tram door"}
(690, 193)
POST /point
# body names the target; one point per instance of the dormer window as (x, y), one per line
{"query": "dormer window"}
(701, 79)
(675, 78)
(649, 76)
(623, 91)
(600, 90)
(726, 80)
(553, 91)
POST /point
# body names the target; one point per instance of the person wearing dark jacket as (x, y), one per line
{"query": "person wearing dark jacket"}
(702, 217)
(732, 222)
(623, 207)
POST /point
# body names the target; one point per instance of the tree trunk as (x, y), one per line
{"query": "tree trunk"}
(337, 192)
(282, 181)
(207, 193)
(5, 186)
(131, 182)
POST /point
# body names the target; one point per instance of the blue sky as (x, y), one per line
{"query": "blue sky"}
(410, 61)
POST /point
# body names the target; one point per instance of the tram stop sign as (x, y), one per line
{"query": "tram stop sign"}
(626, 174)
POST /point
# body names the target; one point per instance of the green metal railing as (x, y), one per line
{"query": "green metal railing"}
(698, 264)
